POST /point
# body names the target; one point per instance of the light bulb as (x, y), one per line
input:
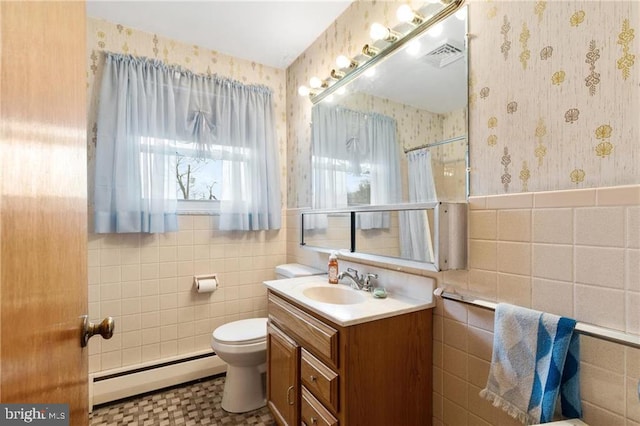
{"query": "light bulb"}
(370, 72)
(405, 13)
(436, 30)
(461, 14)
(344, 62)
(378, 31)
(303, 91)
(413, 48)
(315, 83)
(341, 91)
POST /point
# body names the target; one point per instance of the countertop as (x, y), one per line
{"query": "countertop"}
(345, 315)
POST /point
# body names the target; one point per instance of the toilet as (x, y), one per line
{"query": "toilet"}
(243, 346)
(294, 270)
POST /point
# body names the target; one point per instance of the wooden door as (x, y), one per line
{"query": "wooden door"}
(283, 372)
(43, 204)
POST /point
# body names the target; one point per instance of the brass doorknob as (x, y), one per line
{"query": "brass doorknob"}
(105, 329)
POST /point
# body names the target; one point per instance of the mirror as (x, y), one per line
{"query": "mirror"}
(398, 134)
(403, 120)
(408, 236)
(330, 231)
(421, 233)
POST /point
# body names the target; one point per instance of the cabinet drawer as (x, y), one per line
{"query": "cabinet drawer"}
(313, 413)
(320, 380)
(318, 336)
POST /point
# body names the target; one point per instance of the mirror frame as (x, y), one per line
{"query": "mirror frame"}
(443, 13)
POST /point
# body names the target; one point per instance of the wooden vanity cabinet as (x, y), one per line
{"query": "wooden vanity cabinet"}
(283, 356)
(374, 373)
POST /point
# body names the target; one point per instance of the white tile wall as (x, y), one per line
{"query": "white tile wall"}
(584, 263)
(145, 283)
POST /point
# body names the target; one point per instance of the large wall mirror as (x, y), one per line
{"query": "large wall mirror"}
(395, 134)
(398, 131)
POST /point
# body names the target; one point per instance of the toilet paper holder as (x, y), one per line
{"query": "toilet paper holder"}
(205, 283)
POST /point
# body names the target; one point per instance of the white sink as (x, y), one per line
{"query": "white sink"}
(342, 304)
(335, 295)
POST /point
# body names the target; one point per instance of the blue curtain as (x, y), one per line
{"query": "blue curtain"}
(145, 107)
(343, 142)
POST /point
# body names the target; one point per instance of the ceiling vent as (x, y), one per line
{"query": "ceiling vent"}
(445, 54)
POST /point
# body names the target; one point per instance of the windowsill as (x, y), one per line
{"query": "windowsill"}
(198, 207)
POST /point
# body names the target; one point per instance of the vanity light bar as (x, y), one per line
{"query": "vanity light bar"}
(396, 41)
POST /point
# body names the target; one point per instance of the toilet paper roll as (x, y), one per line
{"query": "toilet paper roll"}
(206, 285)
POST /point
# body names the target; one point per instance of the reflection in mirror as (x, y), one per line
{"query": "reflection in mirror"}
(327, 230)
(399, 133)
(408, 236)
(429, 236)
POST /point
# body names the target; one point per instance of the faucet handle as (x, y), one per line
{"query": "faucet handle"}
(371, 276)
(367, 280)
(354, 272)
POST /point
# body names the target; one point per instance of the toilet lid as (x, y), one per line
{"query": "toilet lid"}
(243, 331)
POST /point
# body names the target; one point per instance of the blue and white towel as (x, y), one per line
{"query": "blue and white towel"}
(535, 356)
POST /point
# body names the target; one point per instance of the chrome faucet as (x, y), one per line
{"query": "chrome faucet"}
(359, 282)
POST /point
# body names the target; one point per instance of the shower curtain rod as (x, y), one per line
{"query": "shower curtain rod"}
(429, 145)
(581, 327)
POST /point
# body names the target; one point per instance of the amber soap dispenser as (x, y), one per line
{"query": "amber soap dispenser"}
(333, 268)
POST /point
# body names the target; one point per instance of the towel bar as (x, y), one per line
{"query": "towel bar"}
(581, 327)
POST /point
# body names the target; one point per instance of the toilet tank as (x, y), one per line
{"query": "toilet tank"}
(293, 270)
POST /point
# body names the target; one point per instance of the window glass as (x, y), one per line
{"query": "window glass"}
(197, 178)
(359, 187)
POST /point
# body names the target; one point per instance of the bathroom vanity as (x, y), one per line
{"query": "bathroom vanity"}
(352, 360)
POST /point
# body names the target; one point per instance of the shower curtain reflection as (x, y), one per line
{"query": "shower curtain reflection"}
(415, 231)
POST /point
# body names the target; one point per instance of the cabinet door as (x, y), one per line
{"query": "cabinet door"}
(283, 366)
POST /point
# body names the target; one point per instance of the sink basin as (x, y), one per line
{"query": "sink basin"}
(335, 295)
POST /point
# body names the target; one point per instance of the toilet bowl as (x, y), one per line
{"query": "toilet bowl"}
(243, 346)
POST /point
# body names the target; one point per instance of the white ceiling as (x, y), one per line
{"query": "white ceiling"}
(269, 32)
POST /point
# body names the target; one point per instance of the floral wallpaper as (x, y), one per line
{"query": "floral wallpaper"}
(103, 35)
(553, 95)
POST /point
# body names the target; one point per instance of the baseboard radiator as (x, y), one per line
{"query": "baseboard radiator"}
(112, 385)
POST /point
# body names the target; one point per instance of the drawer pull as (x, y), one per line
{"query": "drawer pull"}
(313, 420)
(289, 401)
(313, 378)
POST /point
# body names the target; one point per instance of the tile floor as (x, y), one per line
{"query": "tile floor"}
(195, 403)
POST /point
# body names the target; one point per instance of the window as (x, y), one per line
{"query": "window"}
(198, 181)
(145, 168)
(359, 186)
